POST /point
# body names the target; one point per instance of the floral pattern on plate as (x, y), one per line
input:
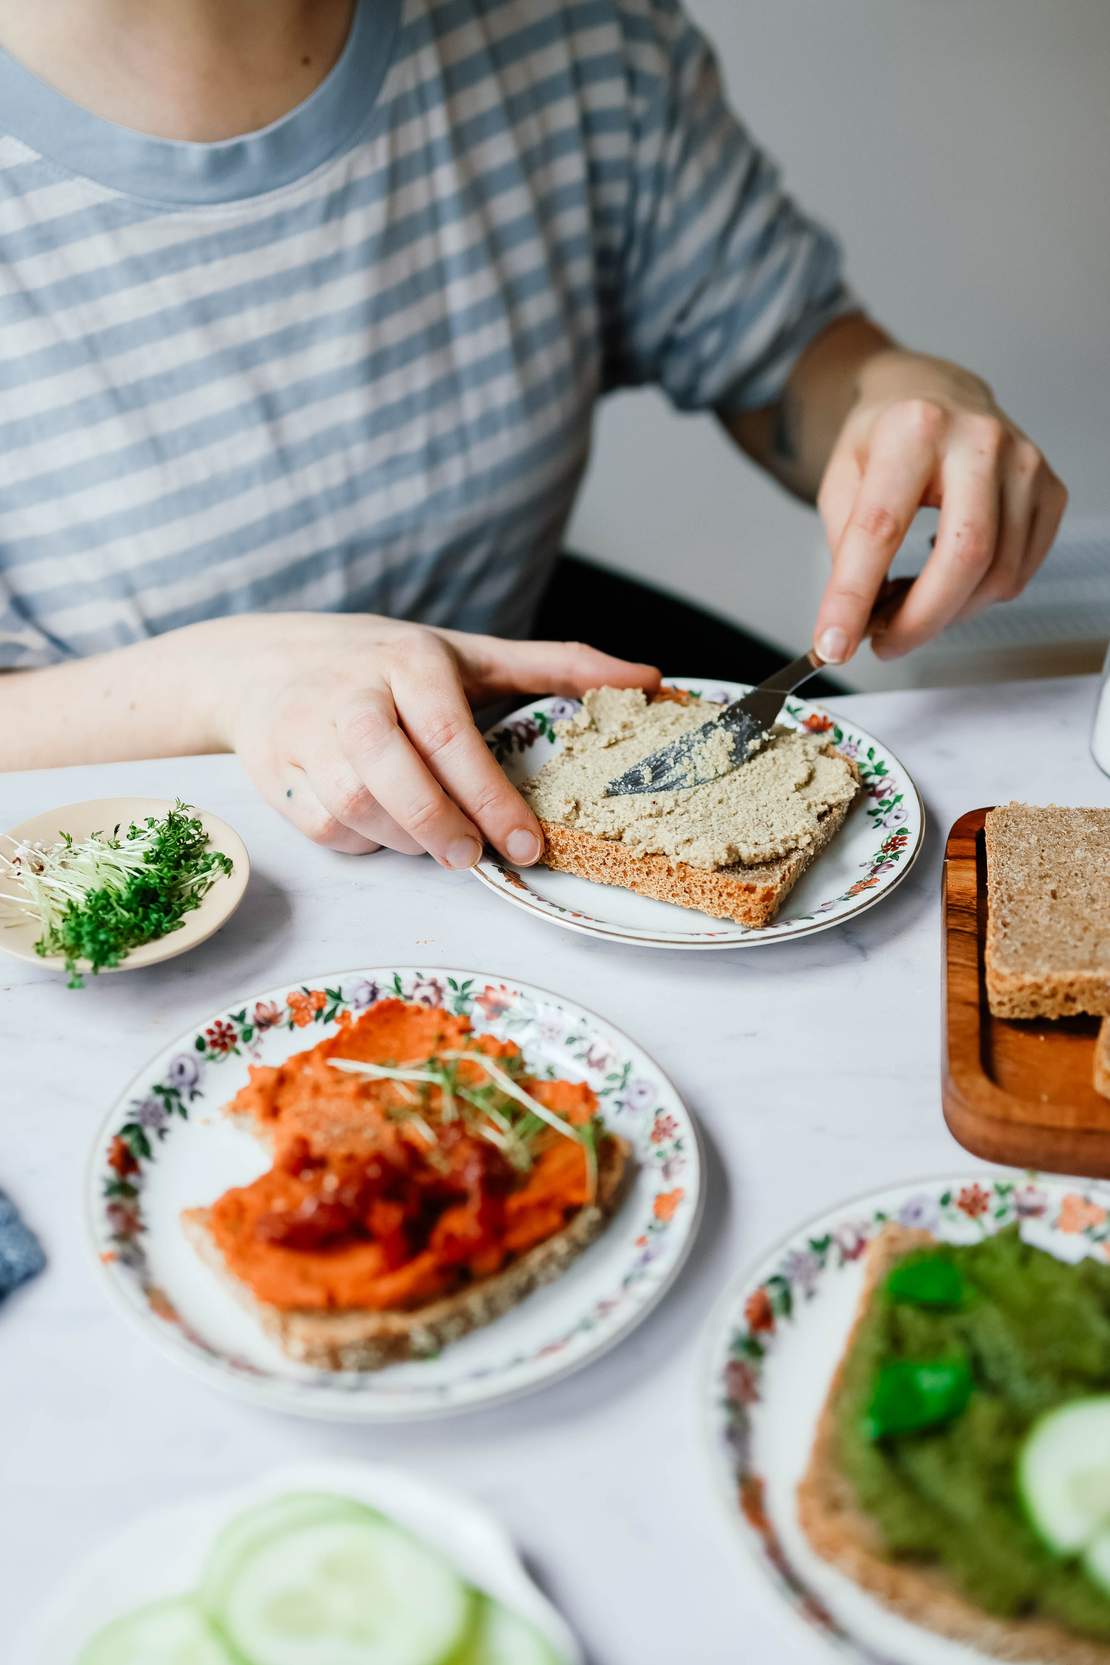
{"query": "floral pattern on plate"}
(632, 1263)
(871, 854)
(766, 1314)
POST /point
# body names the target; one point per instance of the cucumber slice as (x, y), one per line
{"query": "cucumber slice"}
(344, 1591)
(165, 1633)
(502, 1638)
(254, 1526)
(1064, 1474)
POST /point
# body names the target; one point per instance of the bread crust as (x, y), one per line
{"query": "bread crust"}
(844, 1536)
(365, 1340)
(746, 895)
(1016, 994)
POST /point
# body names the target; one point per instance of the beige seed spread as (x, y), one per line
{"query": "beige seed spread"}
(769, 806)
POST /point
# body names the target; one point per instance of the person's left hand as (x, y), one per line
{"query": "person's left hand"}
(924, 433)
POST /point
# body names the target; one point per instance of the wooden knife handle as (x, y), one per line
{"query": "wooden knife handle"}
(890, 597)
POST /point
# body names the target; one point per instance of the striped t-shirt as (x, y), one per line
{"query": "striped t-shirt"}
(350, 361)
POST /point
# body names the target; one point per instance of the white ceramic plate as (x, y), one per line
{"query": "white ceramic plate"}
(874, 850)
(162, 1554)
(18, 933)
(775, 1340)
(187, 1154)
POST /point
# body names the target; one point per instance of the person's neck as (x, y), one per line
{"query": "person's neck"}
(199, 70)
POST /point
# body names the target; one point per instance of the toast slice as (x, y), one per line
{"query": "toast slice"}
(1048, 911)
(843, 1535)
(746, 895)
(1102, 1059)
(366, 1340)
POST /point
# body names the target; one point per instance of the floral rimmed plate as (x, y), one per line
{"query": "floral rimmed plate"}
(162, 1554)
(870, 855)
(775, 1340)
(166, 1146)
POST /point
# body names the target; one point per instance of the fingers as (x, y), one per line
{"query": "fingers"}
(436, 716)
(967, 540)
(493, 667)
(382, 756)
(1052, 500)
(300, 805)
(899, 467)
(1001, 520)
(349, 806)
(1007, 575)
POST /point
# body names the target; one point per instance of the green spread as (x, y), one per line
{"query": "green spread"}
(1035, 1334)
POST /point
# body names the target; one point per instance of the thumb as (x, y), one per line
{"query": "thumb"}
(492, 667)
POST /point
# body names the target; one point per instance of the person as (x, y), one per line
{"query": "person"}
(305, 308)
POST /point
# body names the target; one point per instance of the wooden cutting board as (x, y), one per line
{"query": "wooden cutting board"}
(1019, 1093)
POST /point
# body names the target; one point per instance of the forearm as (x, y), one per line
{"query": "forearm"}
(794, 439)
(158, 698)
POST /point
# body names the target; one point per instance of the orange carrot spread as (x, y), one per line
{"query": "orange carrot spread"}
(401, 1169)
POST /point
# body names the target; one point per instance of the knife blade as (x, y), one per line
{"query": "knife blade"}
(728, 739)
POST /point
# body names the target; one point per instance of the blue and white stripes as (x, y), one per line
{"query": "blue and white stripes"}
(350, 361)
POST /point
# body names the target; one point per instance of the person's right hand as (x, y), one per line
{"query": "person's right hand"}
(359, 729)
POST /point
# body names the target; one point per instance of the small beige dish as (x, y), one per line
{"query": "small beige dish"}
(19, 932)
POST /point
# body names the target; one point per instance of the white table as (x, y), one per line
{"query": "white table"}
(812, 1067)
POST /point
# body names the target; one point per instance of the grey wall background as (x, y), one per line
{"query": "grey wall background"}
(961, 148)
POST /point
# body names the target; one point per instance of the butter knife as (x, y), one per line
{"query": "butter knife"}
(698, 757)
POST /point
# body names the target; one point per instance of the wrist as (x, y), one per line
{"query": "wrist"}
(222, 659)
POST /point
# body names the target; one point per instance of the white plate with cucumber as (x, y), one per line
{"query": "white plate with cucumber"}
(316, 1565)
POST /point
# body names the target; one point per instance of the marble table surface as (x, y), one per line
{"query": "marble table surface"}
(812, 1065)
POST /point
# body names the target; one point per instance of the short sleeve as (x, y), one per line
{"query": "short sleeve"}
(722, 280)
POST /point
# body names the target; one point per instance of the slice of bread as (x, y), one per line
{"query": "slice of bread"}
(365, 1340)
(1048, 911)
(747, 895)
(844, 1536)
(1102, 1059)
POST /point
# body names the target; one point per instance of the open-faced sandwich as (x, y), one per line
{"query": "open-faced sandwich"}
(961, 1469)
(423, 1182)
(733, 847)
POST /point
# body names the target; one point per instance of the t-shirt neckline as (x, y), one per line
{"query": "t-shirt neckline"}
(178, 172)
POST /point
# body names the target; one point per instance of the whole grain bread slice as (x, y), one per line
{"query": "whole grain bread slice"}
(1048, 911)
(849, 1540)
(365, 1340)
(1102, 1059)
(747, 895)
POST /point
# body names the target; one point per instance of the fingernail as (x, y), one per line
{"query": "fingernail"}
(882, 650)
(523, 846)
(832, 645)
(464, 852)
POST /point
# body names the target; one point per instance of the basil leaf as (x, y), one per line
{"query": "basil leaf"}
(927, 1281)
(911, 1395)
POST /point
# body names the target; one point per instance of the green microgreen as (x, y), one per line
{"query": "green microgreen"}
(97, 899)
(500, 1111)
